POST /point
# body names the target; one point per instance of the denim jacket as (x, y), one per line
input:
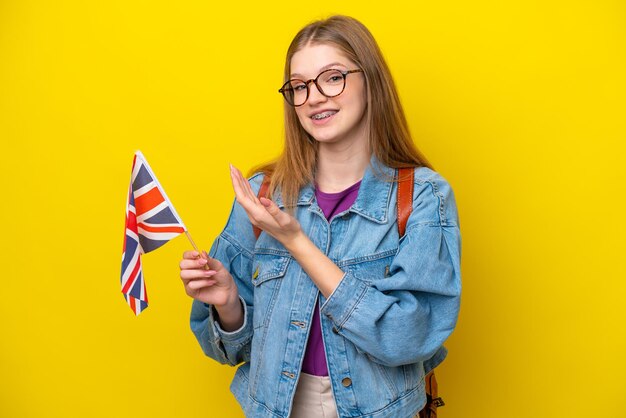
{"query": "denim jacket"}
(383, 326)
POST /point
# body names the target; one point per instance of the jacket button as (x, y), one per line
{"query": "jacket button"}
(335, 330)
(346, 381)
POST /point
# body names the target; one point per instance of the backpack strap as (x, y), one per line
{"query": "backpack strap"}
(263, 191)
(405, 197)
(433, 401)
(405, 207)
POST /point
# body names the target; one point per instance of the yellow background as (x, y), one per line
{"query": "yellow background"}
(519, 104)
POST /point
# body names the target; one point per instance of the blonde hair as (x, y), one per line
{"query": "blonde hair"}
(389, 137)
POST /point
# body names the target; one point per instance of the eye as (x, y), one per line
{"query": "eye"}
(333, 77)
(297, 85)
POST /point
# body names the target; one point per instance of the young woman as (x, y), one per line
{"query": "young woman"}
(330, 312)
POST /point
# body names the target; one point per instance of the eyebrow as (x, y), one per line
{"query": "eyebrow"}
(324, 68)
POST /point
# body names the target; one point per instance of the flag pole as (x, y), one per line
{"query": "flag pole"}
(206, 266)
(193, 244)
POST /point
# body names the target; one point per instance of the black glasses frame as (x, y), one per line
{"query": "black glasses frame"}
(284, 90)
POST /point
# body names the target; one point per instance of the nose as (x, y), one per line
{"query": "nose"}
(315, 95)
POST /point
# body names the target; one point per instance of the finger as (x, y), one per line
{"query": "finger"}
(240, 194)
(215, 264)
(204, 256)
(245, 197)
(200, 284)
(190, 255)
(270, 206)
(189, 275)
(248, 188)
(196, 263)
(253, 208)
(281, 217)
(245, 185)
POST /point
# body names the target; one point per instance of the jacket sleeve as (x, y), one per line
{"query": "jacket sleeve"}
(234, 248)
(406, 317)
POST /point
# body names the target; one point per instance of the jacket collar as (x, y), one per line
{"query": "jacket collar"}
(372, 201)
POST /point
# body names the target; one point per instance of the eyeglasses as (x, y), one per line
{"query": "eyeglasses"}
(330, 83)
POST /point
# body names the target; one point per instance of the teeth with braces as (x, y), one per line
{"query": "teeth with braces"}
(323, 115)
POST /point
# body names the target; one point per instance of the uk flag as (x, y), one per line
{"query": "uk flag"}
(151, 221)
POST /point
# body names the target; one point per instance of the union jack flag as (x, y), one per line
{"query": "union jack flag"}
(151, 221)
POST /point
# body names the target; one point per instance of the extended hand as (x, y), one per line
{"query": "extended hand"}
(264, 213)
(285, 228)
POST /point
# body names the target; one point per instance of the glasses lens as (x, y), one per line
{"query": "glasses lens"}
(295, 92)
(332, 82)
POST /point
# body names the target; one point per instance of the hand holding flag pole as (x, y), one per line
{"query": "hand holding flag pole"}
(151, 221)
(203, 254)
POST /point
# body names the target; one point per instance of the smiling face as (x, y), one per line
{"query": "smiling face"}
(336, 119)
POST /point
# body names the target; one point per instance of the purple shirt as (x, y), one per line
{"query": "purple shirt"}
(314, 356)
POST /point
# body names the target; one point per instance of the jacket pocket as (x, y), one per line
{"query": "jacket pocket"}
(370, 268)
(268, 266)
(268, 272)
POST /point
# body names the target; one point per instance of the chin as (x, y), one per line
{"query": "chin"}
(325, 138)
(324, 135)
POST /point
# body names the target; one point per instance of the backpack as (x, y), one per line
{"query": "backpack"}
(404, 207)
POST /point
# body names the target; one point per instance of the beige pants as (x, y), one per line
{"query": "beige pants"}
(313, 398)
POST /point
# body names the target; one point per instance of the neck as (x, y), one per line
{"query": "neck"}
(339, 166)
